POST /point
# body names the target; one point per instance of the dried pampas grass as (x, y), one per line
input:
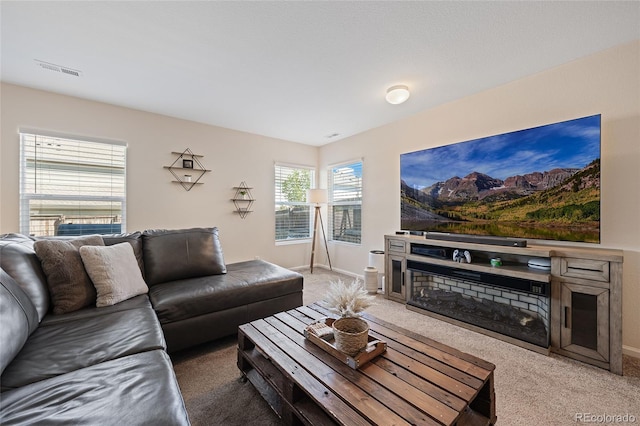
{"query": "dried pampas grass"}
(348, 300)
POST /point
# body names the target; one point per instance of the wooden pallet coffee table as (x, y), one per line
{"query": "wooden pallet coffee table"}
(416, 381)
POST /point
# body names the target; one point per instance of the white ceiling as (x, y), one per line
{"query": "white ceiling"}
(299, 71)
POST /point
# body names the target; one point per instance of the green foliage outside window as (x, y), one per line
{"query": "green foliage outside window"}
(295, 186)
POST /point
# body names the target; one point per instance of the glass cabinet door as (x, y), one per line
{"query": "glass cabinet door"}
(585, 320)
(397, 268)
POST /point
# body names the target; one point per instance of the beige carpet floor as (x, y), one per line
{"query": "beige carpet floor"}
(531, 389)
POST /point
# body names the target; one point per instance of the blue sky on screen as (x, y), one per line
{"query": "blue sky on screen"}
(569, 144)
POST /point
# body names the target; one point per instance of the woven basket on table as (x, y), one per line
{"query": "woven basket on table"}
(351, 335)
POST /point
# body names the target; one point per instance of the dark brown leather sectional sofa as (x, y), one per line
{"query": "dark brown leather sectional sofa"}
(110, 365)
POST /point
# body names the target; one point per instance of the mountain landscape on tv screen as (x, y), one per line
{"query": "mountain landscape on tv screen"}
(452, 188)
(566, 201)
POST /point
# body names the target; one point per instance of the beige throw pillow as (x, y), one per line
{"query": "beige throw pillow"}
(114, 272)
(69, 285)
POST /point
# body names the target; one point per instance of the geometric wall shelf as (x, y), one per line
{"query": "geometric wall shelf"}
(187, 169)
(242, 199)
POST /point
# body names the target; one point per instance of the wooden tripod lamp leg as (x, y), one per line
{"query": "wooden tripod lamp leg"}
(315, 231)
(324, 236)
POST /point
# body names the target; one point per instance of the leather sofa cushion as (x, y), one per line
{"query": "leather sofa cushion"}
(18, 319)
(136, 389)
(69, 285)
(65, 346)
(204, 328)
(244, 283)
(19, 260)
(141, 301)
(171, 255)
(133, 238)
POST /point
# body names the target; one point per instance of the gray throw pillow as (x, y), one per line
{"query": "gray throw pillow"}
(69, 285)
(114, 272)
(133, 238)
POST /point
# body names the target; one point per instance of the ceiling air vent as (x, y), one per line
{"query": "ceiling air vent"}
(58, 68)
(69, 71)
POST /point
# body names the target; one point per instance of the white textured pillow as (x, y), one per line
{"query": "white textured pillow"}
(114, 272)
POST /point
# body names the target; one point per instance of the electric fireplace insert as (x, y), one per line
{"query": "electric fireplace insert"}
(514, 307)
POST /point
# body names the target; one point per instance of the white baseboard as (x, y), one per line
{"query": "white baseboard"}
(303, 267)
(631, 351)
(340, 271)
(297, 268)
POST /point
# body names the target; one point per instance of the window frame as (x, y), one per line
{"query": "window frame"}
(333, 203)
(26, 196)
(277, 202)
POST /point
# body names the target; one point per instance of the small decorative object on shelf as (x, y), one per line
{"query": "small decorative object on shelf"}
(243, 199)
(462, 256)
(187, 160)
(351, 332)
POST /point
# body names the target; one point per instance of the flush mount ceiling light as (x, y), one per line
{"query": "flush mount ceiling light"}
(397, 94)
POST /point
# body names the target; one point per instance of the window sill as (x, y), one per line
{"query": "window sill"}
(345, 243)
(293, 241)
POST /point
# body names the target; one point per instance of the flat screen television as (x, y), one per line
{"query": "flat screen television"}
(540, 183)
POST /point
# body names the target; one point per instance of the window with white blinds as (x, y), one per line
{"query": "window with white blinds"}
(293, 213)
(71, 187)
(345, 202)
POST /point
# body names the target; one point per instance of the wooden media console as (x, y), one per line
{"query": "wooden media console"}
(578, 298)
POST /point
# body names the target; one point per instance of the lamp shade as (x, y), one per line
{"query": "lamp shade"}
(397, 94)
(317, 196)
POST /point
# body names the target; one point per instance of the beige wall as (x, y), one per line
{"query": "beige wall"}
(607, 83)
(152, 200)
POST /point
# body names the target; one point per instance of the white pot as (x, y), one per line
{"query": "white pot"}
(371, 279)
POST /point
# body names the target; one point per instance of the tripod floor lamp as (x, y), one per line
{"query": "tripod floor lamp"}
(318, 196)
